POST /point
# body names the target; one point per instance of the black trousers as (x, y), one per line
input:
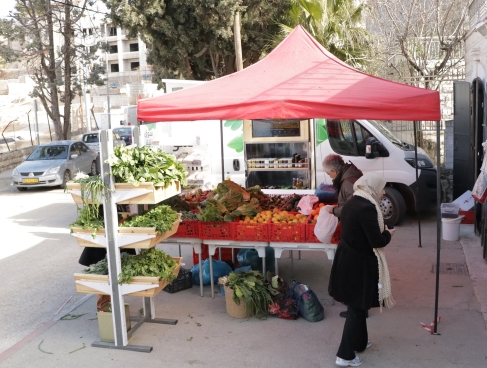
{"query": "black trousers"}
(355, 336)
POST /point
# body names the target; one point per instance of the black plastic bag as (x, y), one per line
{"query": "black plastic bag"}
(309, 307)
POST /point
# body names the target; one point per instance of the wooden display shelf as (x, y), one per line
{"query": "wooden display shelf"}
(145, 193)
(98, 284)
(127, 237)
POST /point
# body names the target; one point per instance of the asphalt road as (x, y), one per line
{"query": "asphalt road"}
(38, 257)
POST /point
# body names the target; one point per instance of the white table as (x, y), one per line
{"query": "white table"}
(280, 246)
(213, 244)
(196, 244)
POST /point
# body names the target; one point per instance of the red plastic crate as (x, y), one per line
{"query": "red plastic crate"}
(311, 237)
(226, 254)
(217, 230)
(251, 232)
(469, 217)
(282, 232)
(188, 229)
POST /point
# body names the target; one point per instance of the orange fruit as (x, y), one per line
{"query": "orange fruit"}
(321, 205)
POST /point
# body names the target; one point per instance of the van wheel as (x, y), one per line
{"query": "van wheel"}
(393, 206)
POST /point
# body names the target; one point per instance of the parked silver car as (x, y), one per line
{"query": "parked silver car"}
(54, 164)
(92, 140)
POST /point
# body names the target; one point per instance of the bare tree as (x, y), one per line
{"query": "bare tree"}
(47, 31)
(421, 40)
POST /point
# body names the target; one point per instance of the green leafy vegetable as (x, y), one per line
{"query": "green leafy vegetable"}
(137, 165)
(161, 217)
(252, 287)
(151, 262)
(89, 216)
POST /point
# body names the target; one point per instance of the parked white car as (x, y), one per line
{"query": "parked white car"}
(92, 140)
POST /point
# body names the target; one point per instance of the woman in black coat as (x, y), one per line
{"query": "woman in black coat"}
(354, 278)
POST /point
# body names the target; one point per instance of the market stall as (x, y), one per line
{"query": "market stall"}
(299, 79)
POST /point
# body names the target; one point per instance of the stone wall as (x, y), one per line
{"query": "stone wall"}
(446, 178)
(9, 160)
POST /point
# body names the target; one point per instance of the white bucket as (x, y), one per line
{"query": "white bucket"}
(450, 228)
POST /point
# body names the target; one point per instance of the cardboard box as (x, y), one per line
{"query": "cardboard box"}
(105, 322)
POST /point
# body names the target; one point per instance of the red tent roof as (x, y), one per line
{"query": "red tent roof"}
(298, 79)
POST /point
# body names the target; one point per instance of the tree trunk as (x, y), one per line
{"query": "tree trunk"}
(68, 33)
(238, 42)
(51, 76)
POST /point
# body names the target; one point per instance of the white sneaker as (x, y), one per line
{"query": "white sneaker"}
(369, 344)
(355, 362)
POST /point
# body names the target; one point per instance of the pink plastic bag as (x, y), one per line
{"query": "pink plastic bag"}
(305, 204)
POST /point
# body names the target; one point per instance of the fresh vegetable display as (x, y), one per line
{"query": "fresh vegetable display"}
(276, 216)
(137, 165)
(252, 287)
(188, 215)
(161, 217)
(89, 214)
(229, 202)
(151, 262)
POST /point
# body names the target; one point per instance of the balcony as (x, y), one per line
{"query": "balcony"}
(130, 55)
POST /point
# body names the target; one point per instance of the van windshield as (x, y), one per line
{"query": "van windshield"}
(388, 134)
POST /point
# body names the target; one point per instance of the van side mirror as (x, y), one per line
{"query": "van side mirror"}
(374, 148)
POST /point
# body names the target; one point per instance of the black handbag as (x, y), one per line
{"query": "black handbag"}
(309, 307)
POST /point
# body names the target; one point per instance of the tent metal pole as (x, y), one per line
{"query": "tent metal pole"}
(438, 224)
(417, 177)
(221, 147)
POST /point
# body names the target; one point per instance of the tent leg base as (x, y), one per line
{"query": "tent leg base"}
(111, 345)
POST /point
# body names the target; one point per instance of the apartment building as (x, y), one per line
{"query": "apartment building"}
(126, 58)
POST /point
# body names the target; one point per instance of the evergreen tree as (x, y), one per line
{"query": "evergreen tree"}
(193, 39)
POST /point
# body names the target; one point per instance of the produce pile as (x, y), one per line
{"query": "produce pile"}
(230, 202)
(137, 165)
(161, 217)
(151, 262)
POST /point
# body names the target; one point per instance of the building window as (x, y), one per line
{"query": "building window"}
(114, 68)
(134, 66)
(134, 47)
(113, 31)
(113, 49)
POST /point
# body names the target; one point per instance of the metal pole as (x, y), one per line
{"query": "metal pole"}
(87, 110)
(438, 224)
(113, 252)
(221, 147)
(108, 87)
(417, 178)
(37, 122)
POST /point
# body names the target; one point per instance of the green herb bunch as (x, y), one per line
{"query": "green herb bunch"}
(151, 262)
(89, 216)
(137, 165)
(253, 288)
(161, 217)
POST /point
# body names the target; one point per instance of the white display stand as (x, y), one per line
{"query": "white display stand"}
(113, 241)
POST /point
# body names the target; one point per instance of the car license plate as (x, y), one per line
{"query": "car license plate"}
(31, 181)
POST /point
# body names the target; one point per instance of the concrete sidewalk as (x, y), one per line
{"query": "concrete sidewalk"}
(206, 336)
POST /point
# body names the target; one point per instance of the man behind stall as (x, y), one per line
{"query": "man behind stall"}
(343, 177)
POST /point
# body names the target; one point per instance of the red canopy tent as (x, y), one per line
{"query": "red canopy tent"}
(300, 79)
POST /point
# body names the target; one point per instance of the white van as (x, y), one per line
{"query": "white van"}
(388, 156)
